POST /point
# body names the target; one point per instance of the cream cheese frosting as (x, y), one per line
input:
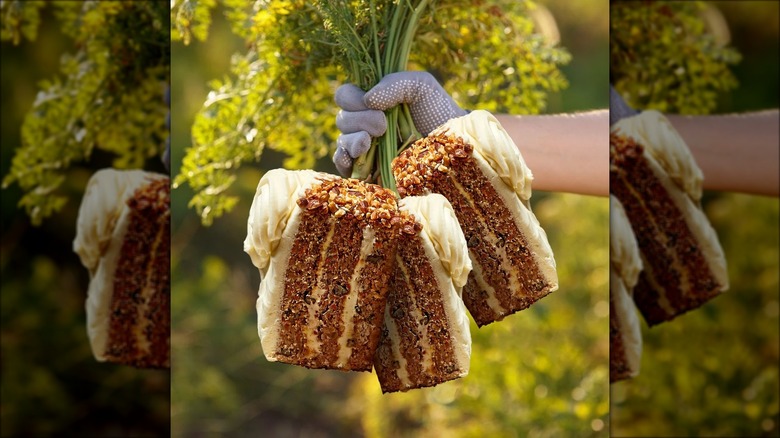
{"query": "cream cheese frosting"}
(274, 202)
(102, 222)
(435, 214)
(483, 131)
(445, 246)
(625, 312)
(271, 228)
(625, 265)
(653, 131)
(623, 248)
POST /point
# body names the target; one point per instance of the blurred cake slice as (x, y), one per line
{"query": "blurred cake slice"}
(655, 177)
(324, 247)
(425, 338)
(625, 336)
(474, 163)
(123, 239)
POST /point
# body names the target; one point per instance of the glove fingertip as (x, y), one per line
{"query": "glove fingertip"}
(350, 97)
(343, 162)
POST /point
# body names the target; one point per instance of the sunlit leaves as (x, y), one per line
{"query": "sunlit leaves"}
(663, 57)
(279, 94)
(489, 57)
(108, 96)
(20, 19)
(190, 18)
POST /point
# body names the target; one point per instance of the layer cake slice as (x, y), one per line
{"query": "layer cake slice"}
(657, 181)
(473, 162)
(425, 337)
(324, 247)
(123, 239)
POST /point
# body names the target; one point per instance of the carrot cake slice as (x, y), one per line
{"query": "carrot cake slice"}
(473, 162)
(625, 336)
(655, 177)
(324, 247)
(123, 239)
(425, 338)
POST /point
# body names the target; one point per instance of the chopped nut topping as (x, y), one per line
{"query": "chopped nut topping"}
(354, 198)
(429, 155)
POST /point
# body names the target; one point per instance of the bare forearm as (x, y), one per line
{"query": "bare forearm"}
(566, 152)
(736, 152)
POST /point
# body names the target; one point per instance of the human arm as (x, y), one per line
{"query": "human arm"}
(566, 152)
(736, 152)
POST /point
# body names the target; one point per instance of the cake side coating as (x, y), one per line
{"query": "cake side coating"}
(625, 336)
(102, 223)
(625, 264)
(271, 228)
(623, 248)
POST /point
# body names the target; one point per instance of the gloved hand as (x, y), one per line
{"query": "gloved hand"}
(361, 116)
(618, 108)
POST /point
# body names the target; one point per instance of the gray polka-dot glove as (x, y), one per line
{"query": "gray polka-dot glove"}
(618, 108)
(362, 117)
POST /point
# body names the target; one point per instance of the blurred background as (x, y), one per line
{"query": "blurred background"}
(539, 373)
(714, 371)
(51, 383)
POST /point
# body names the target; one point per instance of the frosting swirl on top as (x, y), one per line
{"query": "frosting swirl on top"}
(653, 131)
(273, 203)
(482, 130)
(435, 214)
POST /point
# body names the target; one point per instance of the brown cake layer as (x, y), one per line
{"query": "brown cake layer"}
(676, 276)
(421, 330)
(139, 328)
(333, 299)
(618, 367)
(444, 164)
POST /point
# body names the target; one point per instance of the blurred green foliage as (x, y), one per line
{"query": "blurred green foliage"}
(109, 96)
(51, 383)
(279, 93)
(665, 57)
